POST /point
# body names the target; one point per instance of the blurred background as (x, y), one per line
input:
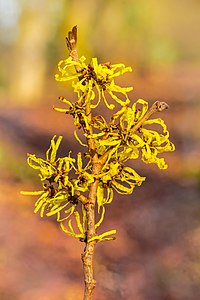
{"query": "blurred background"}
(157, 252)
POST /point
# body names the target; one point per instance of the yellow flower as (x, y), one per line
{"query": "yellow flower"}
(120, 177)
(53, 173)
(100, 76)
(128, 140)
(155, 142)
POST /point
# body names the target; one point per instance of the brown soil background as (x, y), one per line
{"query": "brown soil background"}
(156, 255)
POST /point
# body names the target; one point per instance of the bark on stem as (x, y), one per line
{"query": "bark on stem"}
(88, 254)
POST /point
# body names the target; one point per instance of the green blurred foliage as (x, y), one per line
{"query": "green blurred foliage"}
(12, 168)
(147, 34)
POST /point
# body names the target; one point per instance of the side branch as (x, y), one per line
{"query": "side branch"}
(81, 198)
(156, 107)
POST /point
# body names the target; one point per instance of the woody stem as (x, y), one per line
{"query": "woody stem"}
(88, 254)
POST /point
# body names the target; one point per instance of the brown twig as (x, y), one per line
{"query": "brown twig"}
(71, 41)
(89, 205)
(156, 107)
(88, 254)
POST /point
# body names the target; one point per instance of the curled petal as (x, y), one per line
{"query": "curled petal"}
(103, 236)
(52, 151)
(79, 140)
(101, 218)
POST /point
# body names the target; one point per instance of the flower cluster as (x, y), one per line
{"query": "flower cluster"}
(60, 190)
(100, 76)
(130, 134)
(126, 140)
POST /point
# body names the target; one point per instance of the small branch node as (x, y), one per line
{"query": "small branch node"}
(160, 106)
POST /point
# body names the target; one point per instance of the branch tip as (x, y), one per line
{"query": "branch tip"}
(160, 106)
(71, 39)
